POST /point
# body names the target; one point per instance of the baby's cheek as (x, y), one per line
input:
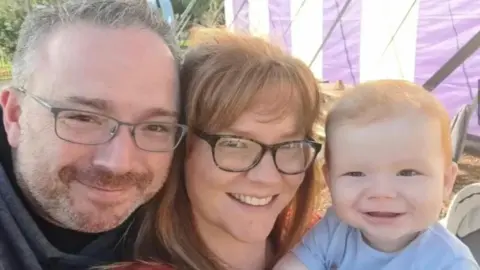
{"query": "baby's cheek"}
(422, 193)
(344, 193)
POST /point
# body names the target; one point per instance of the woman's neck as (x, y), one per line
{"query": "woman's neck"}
(234, 253)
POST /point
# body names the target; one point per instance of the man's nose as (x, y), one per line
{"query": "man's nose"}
(119, 154)
(265, 171)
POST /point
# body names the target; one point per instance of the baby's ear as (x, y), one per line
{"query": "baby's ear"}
(450, 175)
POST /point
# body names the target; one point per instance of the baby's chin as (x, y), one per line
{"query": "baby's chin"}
(388, 241)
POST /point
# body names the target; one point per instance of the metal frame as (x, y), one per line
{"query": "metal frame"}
(327, 37)
(453, 63)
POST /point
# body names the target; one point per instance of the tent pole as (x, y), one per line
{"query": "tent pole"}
(337, 20)
(453, 63)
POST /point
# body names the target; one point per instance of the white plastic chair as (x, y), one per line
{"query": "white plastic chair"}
(463, 215)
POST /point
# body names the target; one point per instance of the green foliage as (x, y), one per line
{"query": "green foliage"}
(204, 12)
(5, 71)
(188, 13)
(196, 12)
(11, 18)
(12, 14)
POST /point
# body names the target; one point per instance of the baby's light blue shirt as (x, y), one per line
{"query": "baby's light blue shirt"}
(332, 244)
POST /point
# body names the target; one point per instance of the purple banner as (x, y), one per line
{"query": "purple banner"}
(280, 22)
(341, 52)
(241, 18)
(443, 28)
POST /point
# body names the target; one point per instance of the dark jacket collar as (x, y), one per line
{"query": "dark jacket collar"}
(5, 150)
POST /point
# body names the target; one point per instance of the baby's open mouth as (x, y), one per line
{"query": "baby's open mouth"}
(376, 214)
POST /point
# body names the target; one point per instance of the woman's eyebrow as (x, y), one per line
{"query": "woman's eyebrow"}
(286, 135)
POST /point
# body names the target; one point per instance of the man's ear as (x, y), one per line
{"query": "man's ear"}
(11, 111)
(326, 175)
(450, 175)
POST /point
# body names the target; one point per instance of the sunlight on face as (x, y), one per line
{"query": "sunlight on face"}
(94, 188)
(387, 178)
(217, 195)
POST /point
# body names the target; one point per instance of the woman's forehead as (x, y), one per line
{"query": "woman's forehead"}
(284, 121)
(268, 128)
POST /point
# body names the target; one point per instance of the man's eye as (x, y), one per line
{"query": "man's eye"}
(157, 128)
(76, 118)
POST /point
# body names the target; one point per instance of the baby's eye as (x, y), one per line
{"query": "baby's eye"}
(355, 174)
(408, 172)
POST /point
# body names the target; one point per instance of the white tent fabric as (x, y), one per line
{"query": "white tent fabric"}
(359, 40)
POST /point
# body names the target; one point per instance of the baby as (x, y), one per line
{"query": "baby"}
(388, 165)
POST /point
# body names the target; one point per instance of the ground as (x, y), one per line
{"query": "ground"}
(469, 172)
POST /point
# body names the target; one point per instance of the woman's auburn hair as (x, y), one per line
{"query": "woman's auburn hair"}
(222, 76)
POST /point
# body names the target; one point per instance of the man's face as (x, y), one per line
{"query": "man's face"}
(126, 74)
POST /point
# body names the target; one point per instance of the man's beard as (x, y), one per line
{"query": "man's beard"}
(50, 197)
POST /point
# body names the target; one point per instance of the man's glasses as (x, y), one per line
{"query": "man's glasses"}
(237, 154)
(88, 128)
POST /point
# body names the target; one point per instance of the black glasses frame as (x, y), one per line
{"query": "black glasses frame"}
(212, 140)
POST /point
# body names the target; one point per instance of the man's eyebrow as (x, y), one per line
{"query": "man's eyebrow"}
(104, 105)
(94, 103)
(158, 112)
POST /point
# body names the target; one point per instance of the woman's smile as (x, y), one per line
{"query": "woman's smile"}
(252, 200)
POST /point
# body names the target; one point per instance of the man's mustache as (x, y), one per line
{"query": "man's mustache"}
(103, 178)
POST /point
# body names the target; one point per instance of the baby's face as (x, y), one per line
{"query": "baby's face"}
(389, 178)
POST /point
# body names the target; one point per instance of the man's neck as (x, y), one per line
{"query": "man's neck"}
(237, 255)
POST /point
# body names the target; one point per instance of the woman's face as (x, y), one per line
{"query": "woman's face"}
(242, 205)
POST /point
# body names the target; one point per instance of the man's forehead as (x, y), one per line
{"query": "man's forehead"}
(109, 71)
(77, 51)
(98, 40)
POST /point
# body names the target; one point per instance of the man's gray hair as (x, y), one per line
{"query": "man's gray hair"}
(111, 13)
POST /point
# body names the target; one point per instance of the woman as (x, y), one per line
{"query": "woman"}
(249, 189)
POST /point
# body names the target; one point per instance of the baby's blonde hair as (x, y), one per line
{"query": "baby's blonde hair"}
(378, 100)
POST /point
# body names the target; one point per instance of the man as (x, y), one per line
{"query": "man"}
(90, 127)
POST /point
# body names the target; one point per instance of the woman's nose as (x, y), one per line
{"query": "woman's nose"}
(265, 171)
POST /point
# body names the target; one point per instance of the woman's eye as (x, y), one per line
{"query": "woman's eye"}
(294, 145)
(233, 144)
(408, 172)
